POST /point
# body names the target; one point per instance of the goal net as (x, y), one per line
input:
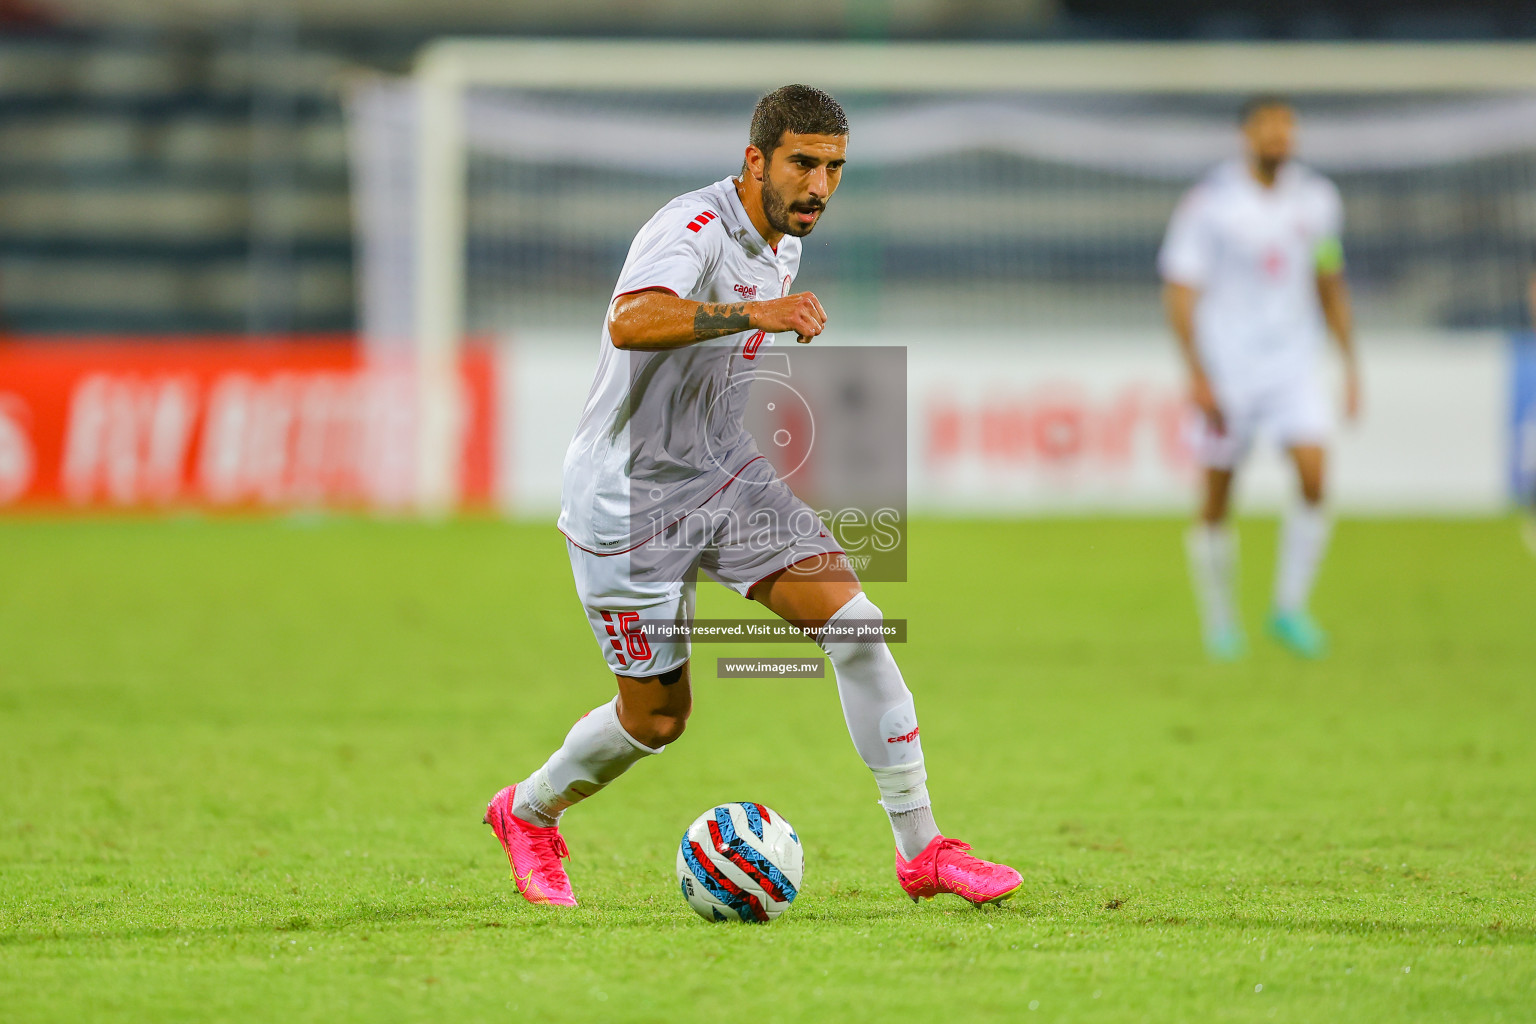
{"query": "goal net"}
(995, 189)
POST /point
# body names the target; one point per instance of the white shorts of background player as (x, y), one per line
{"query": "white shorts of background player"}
(1292, 411)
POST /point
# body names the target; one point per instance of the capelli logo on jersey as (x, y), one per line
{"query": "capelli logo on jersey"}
(906, 738)
(746, 291)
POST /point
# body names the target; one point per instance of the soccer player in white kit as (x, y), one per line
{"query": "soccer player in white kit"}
(1253, 270)
(662, 481)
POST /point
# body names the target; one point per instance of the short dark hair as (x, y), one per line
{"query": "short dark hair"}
(797, 109)
(1263, 101)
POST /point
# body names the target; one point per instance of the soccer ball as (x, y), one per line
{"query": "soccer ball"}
(740, 862)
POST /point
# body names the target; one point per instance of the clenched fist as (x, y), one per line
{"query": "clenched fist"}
(801, 313)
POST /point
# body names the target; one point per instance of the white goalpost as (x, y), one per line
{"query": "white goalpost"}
(495, 187)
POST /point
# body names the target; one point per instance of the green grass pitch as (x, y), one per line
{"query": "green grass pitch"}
(243, 764)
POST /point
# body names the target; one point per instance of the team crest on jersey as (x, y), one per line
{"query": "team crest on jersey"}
(1274, 262)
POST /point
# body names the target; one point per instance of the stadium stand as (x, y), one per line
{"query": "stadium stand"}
(143, 183)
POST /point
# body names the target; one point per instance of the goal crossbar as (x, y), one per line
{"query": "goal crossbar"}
(446, 68)
(983, 67)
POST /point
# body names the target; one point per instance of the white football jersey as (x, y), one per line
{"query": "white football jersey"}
(1253, 254)
(663, 431)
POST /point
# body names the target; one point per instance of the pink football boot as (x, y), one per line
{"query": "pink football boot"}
(944, 866)
(534, 852)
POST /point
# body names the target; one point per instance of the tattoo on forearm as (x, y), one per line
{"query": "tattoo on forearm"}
(717, 319)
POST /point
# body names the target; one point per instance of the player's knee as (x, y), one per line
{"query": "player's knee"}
(1215, 504)
(655, 727)
(664, 728)
(865, 611)
(855, 631)
(1312, 491)
(654, 716)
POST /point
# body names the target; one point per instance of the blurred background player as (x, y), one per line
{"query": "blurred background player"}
(1253, 268)
(660, 483)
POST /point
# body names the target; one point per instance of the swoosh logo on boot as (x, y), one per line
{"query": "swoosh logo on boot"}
(526, 887)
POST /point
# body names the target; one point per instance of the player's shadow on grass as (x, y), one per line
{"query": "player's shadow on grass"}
(899, 908)
(492, 911)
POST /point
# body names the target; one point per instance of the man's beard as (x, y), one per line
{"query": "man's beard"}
(1271, 165)
(776, 211)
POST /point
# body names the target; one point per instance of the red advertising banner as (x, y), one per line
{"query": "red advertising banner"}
(222, 423)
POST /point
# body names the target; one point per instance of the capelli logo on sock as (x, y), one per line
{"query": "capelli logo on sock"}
(907, 738)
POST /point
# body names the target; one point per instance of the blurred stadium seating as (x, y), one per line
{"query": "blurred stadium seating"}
(179, 168)
(180, 165)
(145, 185)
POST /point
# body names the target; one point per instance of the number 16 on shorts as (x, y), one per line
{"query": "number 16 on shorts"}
(624, 637)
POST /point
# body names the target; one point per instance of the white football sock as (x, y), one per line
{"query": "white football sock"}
(1303, 539)
(1213, 568)
(913, 826)
(882, 720)
(914, 830)
(596, 751)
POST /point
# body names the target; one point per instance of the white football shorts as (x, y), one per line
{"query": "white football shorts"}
(749, 530)
(1291, 412)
